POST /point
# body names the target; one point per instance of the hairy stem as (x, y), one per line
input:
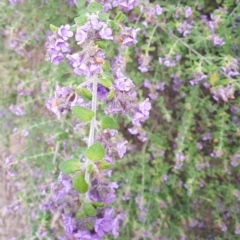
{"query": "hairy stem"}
(94, 109)
(92, 124)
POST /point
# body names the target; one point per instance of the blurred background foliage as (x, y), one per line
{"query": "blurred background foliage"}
(183, 182)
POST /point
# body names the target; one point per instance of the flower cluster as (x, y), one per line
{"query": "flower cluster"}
(124, 5)
(169, 61)
(223, 92)
(150, 13)
(57, 44)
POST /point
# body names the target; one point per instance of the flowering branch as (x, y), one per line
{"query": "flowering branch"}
(83, 192)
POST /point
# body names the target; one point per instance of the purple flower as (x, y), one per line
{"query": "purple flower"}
(115, 225)
(71, 2)
(128, 36)
(223, 227)
(56, 58)
(81, 35)
(237, 229)
(75, 59)
(95, 23)
(102, 190)
(177, 82)
(143, 112)
(231, 68)
(68, 224)
(223, 92)
(198, 77)
(188, 11)
(102, 92)
(145, 107)
(199, 145)
(153, 95)
(106, 32)
(64, 32)
(217, 41)
(53, 50)
(107, 6)
(16, 110)
(167, 61)
(123, 84)
(144, 61)
(147, 83)
(235, 159)
(24, 133)
(158, 9)
(184, 28)
(65, 93)
(13, 2)
(61, 104)
(160, 86)
(179, 157)
(85, 235)
(62, 45)
(207, 136)
(121, 148)
(104, 225)
(127, 5)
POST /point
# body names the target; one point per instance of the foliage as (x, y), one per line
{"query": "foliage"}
(179, 178)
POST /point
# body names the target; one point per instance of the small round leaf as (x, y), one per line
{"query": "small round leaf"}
(89, 210)
(94, 7)
(82, 113)
(109, 123)
(80, 184)
(70, 166)
(95, 152)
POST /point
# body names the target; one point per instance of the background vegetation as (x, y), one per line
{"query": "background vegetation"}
(183, 182)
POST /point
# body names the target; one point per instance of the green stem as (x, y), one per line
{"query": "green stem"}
(150, 39)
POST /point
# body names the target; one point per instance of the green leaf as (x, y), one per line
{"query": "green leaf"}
(98, 204)
(110, 94)
(85, 93)
(103, 16)
(80, 20)
(62, 136)
(89, 210)
(106, 66)
(80, 3)
(82, 12)
(80, 215)
(103, 44)
(106, 82)
(222, 82)
(53, 28)
(109, 123)
(95, 152)
(94, 7)
(73, 29)
(82, 113)
(70, 166)
(104, 165)
(89, 226)
(123, 18)
(80, 184)
(113, 25)
(118, 16)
